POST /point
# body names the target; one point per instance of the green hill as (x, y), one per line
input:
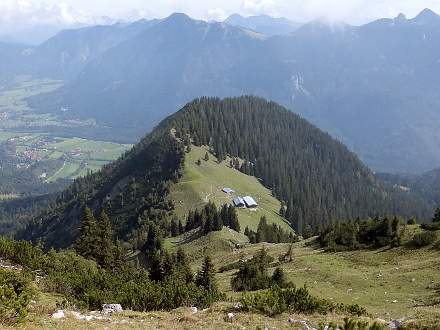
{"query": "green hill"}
(318, 177)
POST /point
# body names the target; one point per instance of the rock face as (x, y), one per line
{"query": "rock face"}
(111, 308)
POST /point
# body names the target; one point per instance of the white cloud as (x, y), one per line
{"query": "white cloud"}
(257, 7)
(216, 14)
(29, 13)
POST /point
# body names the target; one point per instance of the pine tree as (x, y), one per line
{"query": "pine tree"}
(183, 268)
(217, 223)
(106, 252)
(87, 242)
(206, 276)
(167, 264)
(206, 158)
(278, 277)
(233, 218)
(156, 268)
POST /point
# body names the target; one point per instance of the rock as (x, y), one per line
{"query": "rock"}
(194, 310)
(238, 306)
(231, 316)
(394, 301)
(302, 322)
(111, 308)
(413, 280)
(396, 324)
(58, 314)
(78, 315)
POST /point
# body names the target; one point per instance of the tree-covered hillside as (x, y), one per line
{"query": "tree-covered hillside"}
(316, 176)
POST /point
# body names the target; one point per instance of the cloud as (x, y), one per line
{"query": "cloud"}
(257, 7)
(31, 13)
(216, 14)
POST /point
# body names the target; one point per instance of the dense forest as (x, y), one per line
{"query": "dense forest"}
(317, 178)
(132, 191)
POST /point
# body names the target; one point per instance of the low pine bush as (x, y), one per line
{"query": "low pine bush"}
(424, 239)
(276, 300)
(15, 296)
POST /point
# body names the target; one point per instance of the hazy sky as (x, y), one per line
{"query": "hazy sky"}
(88, 11)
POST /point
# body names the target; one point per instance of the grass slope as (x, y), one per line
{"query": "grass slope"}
(390, 283)
(204, 183)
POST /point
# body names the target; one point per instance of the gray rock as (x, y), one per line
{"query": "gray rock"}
(111, 308)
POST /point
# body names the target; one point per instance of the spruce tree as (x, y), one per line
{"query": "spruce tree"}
(183, 268)
(167, 264)
(87, 242)
(278, 277)
(233, 218)
(206, 276)
(156, 271)
(106, 252)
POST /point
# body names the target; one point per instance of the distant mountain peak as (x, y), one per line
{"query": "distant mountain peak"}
(178, 17)
(401, 17)
(427, 16)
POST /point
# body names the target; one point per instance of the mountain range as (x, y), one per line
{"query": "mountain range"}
(374, 87)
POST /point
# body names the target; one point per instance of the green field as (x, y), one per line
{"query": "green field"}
(203, 183)
(390, 283)
(71, 157)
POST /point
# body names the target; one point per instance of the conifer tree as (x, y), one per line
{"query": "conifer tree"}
(183, 267)
(107, 249)
(206, 276)
(167, 264)
(206, 158)
(87, 242)
(233, 218)
(156, 268)
(278, 277)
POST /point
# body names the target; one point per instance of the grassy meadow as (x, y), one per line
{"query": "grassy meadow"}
(203, 183)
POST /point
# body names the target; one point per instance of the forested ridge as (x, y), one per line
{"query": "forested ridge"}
(317, 178)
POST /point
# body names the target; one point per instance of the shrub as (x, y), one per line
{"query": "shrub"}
(253, 275)
(424, 239)
(431, 226)
(411, 222)
(15, 296)
(294, 300)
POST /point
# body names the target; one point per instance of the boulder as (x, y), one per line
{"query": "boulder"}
(58, 314)
(111, 308)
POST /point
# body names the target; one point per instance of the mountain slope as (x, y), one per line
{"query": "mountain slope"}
(317, 176)
(134, 80)
(374, 86)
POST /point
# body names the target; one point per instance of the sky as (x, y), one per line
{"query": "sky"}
(20, 13)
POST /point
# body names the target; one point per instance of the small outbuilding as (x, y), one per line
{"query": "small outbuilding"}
(228, 191)
(250, 202)
(238, 202)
